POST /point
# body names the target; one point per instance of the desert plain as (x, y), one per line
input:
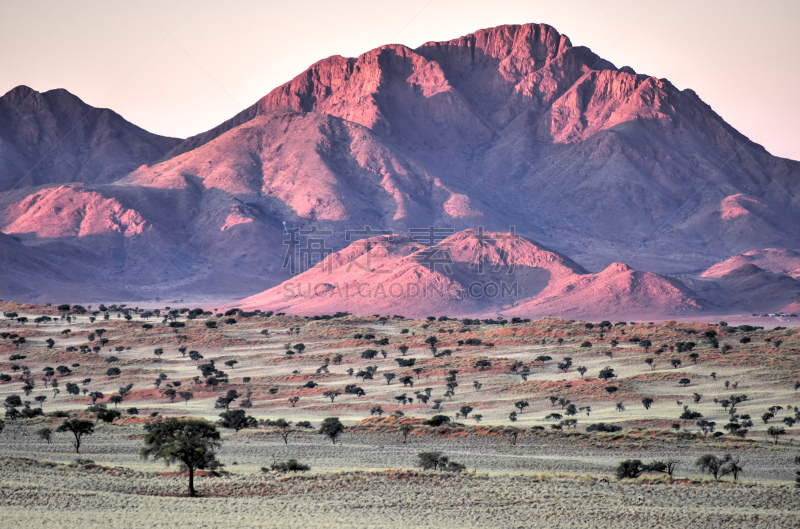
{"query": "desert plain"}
(511, 401)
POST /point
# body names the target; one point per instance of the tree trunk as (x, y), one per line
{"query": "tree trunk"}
(192, 492)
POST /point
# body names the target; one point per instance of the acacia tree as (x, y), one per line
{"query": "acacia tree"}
(432, 460)
(332, 394)
(186, 395)
(775, 432)
(719, 466)
(332, 428)
(78, 428)
(405, 430)
(629, 469)
(227, 400)
(284, 429)
(124, 390)
(607, 373)
(191, 441)
(510, 434)
(237, 420)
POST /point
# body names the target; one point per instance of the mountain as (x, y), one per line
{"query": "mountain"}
(604, 163)
(468, 273)
(54, 137)
(619, 291)
(749, 288)
(775, 260)
(511, 127)
(483, 273)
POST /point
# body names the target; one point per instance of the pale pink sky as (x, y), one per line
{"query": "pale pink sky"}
(183, 66)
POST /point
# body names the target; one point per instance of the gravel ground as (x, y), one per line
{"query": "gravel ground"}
(34, 495)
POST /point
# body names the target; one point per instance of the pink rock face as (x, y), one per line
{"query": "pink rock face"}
(69, 211)
(738, 205)
(604, 100)
(235, 218)
(742, 282)
(511, 122)
(318, 166)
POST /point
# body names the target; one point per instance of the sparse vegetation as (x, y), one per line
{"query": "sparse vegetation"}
(517, 396)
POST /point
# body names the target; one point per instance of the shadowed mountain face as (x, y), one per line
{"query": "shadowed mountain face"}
(54, 137)
(511, 125)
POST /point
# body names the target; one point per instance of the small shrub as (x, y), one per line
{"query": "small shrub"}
(292, 465)
(603, 427)
(437, 461)
(437, 420)
(630, 468)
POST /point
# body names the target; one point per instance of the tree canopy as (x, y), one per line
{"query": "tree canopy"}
(78, 428)
(192, 442)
